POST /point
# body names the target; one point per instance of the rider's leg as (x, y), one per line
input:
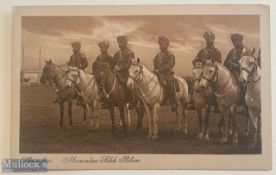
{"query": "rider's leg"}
(171, 91)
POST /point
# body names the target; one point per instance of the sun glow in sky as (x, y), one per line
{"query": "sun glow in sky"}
(54, 35)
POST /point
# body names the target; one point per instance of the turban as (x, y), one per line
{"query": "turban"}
(76, 44)
(121, 39)
(236, 37)
(104, 44)
(208, 35)
(163, 39)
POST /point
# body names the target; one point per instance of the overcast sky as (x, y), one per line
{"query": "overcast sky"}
(54, 35)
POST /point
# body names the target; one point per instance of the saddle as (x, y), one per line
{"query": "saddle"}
(163, 83)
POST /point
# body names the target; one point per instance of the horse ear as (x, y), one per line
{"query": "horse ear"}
(50, 61)
(253, 51)
(138, 60)
(46, 61)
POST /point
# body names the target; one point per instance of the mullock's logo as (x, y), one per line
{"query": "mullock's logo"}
(24, 165)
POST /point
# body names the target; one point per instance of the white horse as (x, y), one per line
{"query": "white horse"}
(88, 90)
(202, 100)
(251, 75)
(153, 95)
(228, 94)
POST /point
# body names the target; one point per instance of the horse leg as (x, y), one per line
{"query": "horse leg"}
(247, 121)
(254, 120)
(225, 117)
(122, 117)
(178, 120)
(70, 103)
(96, 115)
(149, 114)
(84, 115)
(61, 111)
(199, 114)
(155, 120)
(91, 117)
(184, 113)
(206, 123)
(139, 116)
(111, 113)
(235, 126)
(127, 111)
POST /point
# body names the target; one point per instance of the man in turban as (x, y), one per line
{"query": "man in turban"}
(233, 57)
(209, 52)
(122, 62)
(77, 59)
(101, 60)
(104, 57)
(163, 63)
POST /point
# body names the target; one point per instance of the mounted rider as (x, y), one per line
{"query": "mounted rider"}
(122, 62)
(232, 60)
(208, 52)
(163, 63)
(103, 58)
(79, 60)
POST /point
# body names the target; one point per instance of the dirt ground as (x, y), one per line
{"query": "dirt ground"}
(39, 132)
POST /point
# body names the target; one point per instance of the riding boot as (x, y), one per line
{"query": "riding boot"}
(103, 100)
(171, 92)
(128, 97)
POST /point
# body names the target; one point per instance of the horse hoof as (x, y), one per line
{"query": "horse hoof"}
(235, 142)
(84, 123)
(154, 138)
(185, 131)
(206, 137)
(69, 127)
(199, 136)
(223, 140)
(149, 136)
(230, 131)
(177, 129)
(59, 127)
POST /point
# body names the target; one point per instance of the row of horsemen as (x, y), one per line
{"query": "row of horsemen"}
(163, 62)
(127, 69)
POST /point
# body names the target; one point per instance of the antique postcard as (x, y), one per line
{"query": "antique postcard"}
(141, 87)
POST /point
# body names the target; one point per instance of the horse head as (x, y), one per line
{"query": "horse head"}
(48, 74)
(135, 72)
(73, 76)
(197, 73)
(248, 65)
(209, 74)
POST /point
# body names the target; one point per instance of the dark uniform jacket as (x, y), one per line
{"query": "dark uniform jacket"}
(102, 59)
(232, 60)
(123, 59)
(78, 60)
(122, 62)
(164, 61)
(207, 54)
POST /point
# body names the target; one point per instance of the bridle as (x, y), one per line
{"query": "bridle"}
(54, 77)
(76, 80)
(213, 79)
(251, 73)
(139, 74)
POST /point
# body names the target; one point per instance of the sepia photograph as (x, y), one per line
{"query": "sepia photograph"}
(140, 84)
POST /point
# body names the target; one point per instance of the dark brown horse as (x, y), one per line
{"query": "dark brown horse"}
(55, 76)
(114, 95)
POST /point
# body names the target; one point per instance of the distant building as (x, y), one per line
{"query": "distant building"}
(30, 77)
